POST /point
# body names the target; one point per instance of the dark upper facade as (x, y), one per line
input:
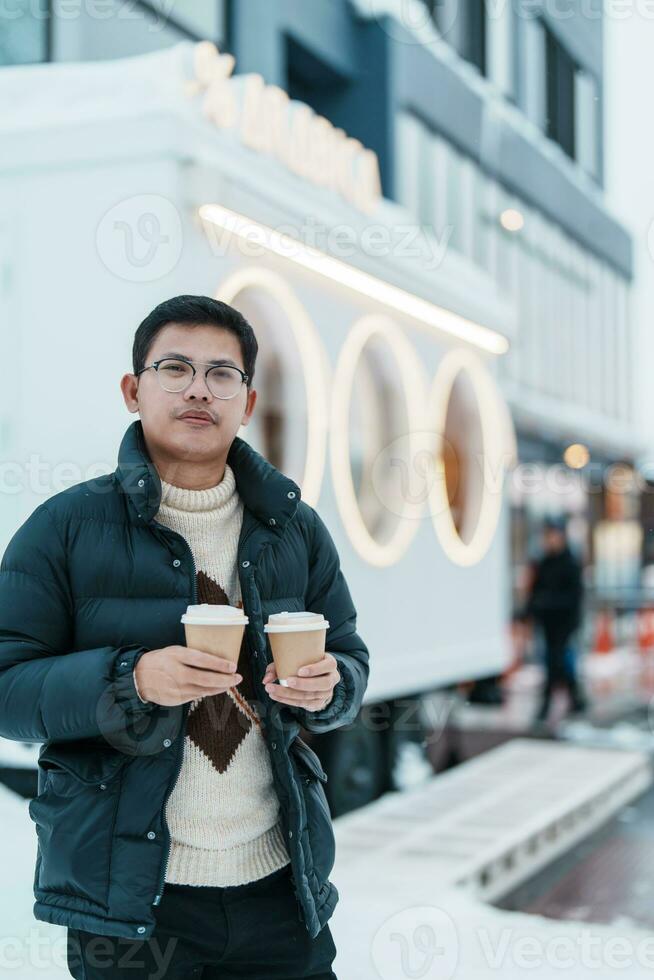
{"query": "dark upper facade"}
(516, 87)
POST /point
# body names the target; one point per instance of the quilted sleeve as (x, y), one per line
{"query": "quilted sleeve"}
(47, 691)
(328, 593)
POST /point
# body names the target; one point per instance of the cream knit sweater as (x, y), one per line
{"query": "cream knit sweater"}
(223, 812)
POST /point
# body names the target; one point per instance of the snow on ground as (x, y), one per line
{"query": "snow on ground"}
(29, 950)
(386, 927)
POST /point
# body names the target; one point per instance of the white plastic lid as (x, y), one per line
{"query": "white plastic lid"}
(286, 622)
(213, 614)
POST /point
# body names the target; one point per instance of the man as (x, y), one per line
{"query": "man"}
(181, 821)
(555, 603)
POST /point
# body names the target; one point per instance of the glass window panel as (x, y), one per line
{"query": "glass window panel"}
(206, 18)
(586, 122)
(24, 32)
(408, 151)
(500, 28)
(533, 72)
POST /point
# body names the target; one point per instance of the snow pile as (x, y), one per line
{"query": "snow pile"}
(389, 926)
(28, 948)
(385, 925)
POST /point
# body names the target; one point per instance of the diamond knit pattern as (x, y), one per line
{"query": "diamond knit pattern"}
(223, 812)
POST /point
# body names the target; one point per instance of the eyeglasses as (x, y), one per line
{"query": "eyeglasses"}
(174, 374)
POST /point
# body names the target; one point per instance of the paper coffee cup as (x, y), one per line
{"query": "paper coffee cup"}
(216, 629)
(296, 640)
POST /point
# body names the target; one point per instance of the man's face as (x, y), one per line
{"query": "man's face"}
(160, 411)
(553, 540)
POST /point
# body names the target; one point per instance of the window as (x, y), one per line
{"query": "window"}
(586, 122)
(127, 29)
(379, 417)
(560, 87)
(500, 28)
(24, 37)
(419, 182)
(202, 18)
(463, 24)
(312, 80)
(205, 19)
(463, 449)
(532, 72)
(410, 136)
(473, 48)
(559, 97)
(455, 198)
(279, 429)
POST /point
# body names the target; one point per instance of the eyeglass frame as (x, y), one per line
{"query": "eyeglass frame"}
(208, 364)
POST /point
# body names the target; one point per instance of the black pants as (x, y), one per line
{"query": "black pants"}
(559, 670)
(245, 931)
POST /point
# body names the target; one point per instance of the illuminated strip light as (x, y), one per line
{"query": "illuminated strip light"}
(408, 304)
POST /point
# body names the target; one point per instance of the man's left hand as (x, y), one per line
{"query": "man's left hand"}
(312, 688)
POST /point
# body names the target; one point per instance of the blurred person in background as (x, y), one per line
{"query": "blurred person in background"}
(554, 602)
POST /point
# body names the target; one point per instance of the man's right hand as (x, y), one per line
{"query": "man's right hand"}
(176, 674)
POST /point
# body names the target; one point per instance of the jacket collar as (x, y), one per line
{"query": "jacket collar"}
(263, 489)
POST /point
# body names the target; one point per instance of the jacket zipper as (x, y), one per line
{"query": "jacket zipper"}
(180, 751)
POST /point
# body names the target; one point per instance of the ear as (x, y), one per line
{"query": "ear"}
(129, 389)
(249, 408)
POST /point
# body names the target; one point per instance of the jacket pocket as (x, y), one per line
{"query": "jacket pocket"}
(89, 762)
(75, 813)
(310, 777)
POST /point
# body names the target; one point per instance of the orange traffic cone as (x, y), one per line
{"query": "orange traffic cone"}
(604, 642)
(604, 639)
(646, 648)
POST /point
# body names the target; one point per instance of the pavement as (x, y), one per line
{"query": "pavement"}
(390, 924)
(387, 924)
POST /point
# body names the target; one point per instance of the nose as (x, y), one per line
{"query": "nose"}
(199, 387)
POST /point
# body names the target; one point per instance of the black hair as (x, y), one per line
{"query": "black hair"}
(195, 311)
(555, 522)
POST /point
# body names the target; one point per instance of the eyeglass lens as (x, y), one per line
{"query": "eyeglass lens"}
(223, 381)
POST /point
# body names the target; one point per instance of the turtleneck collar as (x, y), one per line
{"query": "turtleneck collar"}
(180, 498)
(267, 494)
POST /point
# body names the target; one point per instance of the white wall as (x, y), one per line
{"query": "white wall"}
(629, 150)
(98, 223)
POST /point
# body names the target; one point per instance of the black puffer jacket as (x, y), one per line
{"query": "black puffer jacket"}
(556, 595)
(88, 584)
